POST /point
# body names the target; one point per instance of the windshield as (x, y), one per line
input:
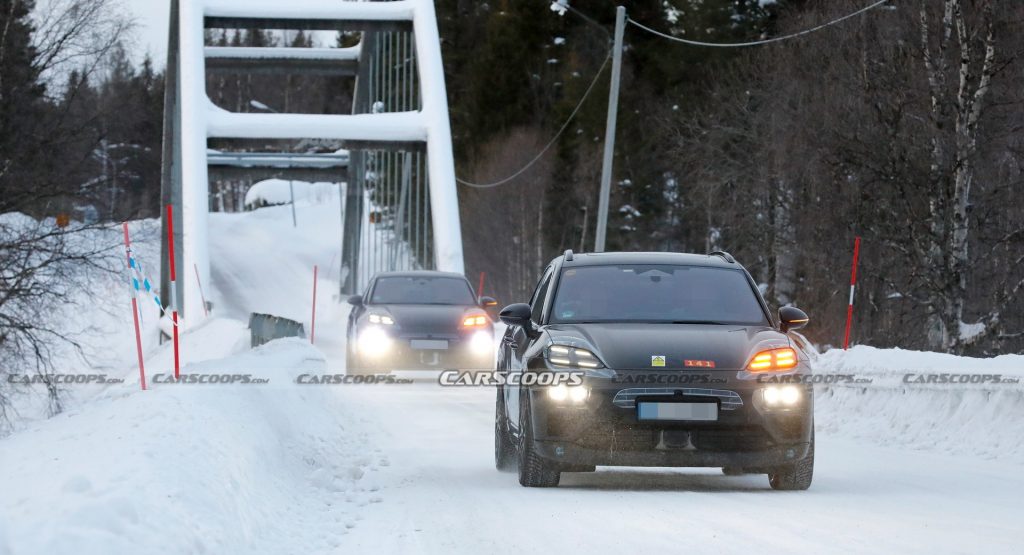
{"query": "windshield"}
(655, 293)
(422, 290)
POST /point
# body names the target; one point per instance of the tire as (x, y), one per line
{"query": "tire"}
(504, 446)
(351, 363)
(534, 471)
(354, 367)
(796, 476)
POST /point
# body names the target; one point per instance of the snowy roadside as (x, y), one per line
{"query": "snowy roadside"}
(94, 319)
(265, 264)
(194, 468)
(926, 401)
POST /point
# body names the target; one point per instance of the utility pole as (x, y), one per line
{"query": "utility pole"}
(609, 132)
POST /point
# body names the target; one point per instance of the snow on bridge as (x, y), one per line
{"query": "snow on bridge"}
(400, 172)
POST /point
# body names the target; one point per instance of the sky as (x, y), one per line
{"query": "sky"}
(151, 17)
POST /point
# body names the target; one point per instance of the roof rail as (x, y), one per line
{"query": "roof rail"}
(568, 255)
(725, 256)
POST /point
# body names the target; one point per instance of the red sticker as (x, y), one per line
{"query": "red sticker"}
(699, 363)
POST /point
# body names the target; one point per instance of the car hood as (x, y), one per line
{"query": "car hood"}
(633, 346)
(413, 318)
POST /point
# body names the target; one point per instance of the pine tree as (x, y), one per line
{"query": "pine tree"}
(21, 105)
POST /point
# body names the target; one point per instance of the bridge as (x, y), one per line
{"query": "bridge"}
(395, 151)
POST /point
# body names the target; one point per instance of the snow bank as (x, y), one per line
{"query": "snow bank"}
(899, 407)
(887, 364)
(262, 264)
(279, 191)
(267, 468)
(274, 468)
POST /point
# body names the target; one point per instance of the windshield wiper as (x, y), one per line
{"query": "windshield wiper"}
(705, 322)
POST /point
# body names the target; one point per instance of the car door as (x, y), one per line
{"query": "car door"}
(516, 342)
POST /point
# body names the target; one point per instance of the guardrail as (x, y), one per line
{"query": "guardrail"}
(265, 327)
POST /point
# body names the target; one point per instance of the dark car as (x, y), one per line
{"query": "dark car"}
(419, 320)
(678, 362)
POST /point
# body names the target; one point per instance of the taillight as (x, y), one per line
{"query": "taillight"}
(475, 321)
(773, 360)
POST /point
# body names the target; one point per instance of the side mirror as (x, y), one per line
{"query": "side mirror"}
(487, 302)
(490, 306)
(516, 315)
(792, 318)
(355, 300)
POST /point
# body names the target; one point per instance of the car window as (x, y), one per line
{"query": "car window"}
(656, 293)
(422, 290)
(537, 304)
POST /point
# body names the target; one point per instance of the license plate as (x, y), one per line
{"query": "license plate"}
(700, 412)
(429, 344)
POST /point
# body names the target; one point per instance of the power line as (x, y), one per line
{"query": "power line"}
(551, 142)
(589, 20)
(758, 42)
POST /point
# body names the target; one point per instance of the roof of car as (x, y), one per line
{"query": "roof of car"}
(419, 273)
(678, 258)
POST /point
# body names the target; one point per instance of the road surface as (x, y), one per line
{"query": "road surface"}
(442, 493)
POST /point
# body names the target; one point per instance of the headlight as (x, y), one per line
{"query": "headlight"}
(475, 321)
(781, 396)
(481, 343)
(574, 393)
(374, 342)
(381, 319)
(572, 357)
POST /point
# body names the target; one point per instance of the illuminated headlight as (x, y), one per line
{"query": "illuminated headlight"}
(781, 396)
(381, 319)
(374, 342)
(572, 357)
(481, 343)
(574, 393)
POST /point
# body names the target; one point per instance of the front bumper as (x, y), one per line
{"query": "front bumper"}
(605, 431)
(401, 355)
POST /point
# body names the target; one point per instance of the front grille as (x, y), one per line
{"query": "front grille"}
(645, 439)
(626, 398)
(620, 439)
(744, 439)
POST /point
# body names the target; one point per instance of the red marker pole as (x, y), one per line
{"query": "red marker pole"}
(853, 284)
(135, 309)
(312, 327)
(202, 295)
(480, 289)
(174, 300)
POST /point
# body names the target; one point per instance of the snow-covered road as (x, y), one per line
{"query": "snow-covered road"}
(442, 493)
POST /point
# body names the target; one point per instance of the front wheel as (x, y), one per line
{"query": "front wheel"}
(796, 476)
(351, 362)
(355, 367)
(534, 470)
(504, 447)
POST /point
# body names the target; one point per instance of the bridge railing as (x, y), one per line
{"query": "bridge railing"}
(401, 207)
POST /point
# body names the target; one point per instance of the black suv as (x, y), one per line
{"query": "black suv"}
(674, 359)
